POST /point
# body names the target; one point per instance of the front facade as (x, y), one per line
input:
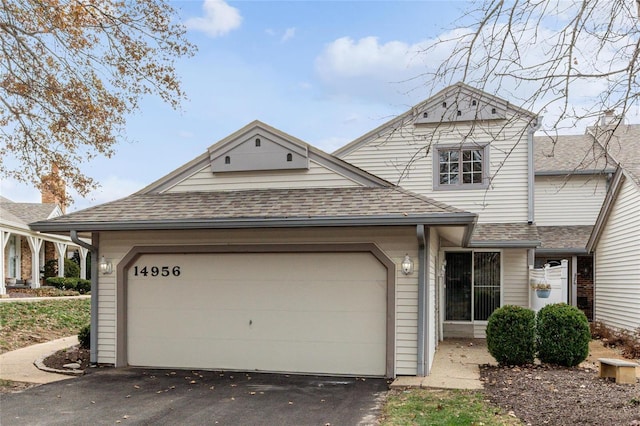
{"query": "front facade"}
(267, 254)
(298, 262)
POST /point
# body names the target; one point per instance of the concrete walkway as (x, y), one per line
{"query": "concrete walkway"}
(18, 365)
(38, 299)
(455, 366)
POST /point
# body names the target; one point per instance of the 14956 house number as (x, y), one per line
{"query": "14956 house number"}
(156, 271)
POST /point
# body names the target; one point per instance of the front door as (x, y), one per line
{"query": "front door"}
(458, 286)
(472, 281)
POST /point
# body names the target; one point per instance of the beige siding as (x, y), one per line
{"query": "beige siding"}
(617, 257)
(400, 158)
(515, 274)
(317, 176)
(395, 242)
(574, 200)
(433, 309)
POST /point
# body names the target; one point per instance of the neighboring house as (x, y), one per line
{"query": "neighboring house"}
(615, 240)
(572, 174)
(26, 251)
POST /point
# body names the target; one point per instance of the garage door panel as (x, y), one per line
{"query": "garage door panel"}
(298, 312)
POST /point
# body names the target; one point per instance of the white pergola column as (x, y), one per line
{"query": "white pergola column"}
(35, 244)
(61, 249)
(83, 262)
(4, 239)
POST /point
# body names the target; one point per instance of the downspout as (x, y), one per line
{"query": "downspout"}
(533, 127)
(93, 249)
(423, 297)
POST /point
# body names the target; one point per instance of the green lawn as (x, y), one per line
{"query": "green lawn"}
(435, 407)
(27, 323)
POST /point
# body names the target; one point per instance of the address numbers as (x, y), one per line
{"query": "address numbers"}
(156, 271)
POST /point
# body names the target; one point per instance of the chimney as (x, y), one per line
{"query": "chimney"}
(608, 117)
(53, 189)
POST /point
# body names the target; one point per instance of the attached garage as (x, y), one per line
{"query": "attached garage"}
(291, 312)
(265, 254)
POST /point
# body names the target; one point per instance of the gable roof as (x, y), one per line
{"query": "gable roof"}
(358, 206)
(520, 235)
(280, 140)
(460, 94)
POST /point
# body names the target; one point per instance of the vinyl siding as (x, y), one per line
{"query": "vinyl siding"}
(515, 274)
(395, 242)
(617, 259)
(405, 157)
(317, 176)
(575, 200)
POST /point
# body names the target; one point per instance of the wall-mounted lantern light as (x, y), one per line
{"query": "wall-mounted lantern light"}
(407, 265)
(105, 266)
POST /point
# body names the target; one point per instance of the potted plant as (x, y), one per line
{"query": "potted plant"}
(542, 288)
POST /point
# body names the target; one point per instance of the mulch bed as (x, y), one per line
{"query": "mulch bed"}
(548, 395)
(67, 356)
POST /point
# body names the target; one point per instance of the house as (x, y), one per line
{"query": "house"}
(265, 253)
(472, 151)
(615, 240)
(25, 251)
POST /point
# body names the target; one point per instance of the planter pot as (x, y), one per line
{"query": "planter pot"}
(543, 294)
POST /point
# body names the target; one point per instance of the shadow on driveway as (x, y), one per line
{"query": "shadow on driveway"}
(158, 397)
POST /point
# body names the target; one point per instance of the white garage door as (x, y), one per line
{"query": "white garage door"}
(295, 312)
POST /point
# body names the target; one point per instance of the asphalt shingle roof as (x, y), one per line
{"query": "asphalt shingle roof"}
(504, 233)
(307, 203)
(564, 237)
(568, 153)
(623, 145)
(25, 213)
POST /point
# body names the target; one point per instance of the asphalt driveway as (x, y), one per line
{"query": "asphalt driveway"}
(159, 397)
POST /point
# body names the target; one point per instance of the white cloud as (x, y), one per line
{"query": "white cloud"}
(219, 18)
(345, 57)
(289, 33)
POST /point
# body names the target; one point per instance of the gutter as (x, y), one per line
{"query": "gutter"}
(462, 218)
(533, 127)
(93, 355)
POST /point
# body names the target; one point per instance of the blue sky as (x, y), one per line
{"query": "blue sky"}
(323, 71)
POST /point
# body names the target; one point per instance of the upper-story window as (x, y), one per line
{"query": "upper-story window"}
(461, 167)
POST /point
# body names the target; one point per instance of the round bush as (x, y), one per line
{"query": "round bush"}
(563, 335)
(511, 335)
(71, 269)
(84, 337)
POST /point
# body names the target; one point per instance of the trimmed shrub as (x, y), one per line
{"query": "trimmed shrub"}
(83, 286)
(563, 335)
(71, 269)
(80, 285)
(84, 336)
(511, 335)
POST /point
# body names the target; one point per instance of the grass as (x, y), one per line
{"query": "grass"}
(442, 407)
(27, 323)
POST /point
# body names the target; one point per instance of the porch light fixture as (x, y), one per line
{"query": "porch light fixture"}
(105, 266)
(407, 265)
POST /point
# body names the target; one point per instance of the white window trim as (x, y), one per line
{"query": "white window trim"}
(437, 186)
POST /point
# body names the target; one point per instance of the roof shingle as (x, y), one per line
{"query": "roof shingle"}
(307, 203)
